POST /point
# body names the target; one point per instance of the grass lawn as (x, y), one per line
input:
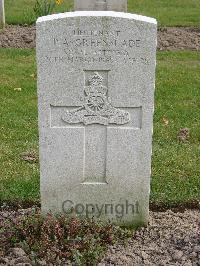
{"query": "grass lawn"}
(175, 176)
(176, 169)
(167, 12)
(18, 124)
(20, 11)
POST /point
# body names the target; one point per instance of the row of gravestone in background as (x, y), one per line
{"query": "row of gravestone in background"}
(96, 76)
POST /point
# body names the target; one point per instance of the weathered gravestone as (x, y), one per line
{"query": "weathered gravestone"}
(96, 74)
(114, 5)
(2, 14)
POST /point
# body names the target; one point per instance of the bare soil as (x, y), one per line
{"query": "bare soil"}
(169, 38)
(173, 39)
(18, 37)
(170, 239)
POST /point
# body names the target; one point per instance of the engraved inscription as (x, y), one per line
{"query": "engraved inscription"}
(85, 45)
(82, 40)
(97, 107)
(84, 58)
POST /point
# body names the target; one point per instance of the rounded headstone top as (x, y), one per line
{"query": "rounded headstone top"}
(97, 14)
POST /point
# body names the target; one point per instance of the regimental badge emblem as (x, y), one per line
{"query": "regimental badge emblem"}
(97, 107)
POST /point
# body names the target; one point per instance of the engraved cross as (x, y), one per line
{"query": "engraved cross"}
(97, 115)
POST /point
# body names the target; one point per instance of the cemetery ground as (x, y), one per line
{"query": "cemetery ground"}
(172, 237)
(175, 171)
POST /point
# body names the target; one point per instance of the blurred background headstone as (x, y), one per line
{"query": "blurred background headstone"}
(98, 5)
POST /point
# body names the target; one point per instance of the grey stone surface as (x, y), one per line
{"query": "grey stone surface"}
(96, 76)
(97, 5)
(2, 14)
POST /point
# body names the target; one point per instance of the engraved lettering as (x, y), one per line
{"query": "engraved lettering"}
(55, 41)
(131, 43)
(137, 43)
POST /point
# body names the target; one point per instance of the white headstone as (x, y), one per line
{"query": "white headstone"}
(96, 75)
(2, 14)
(109, 5)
